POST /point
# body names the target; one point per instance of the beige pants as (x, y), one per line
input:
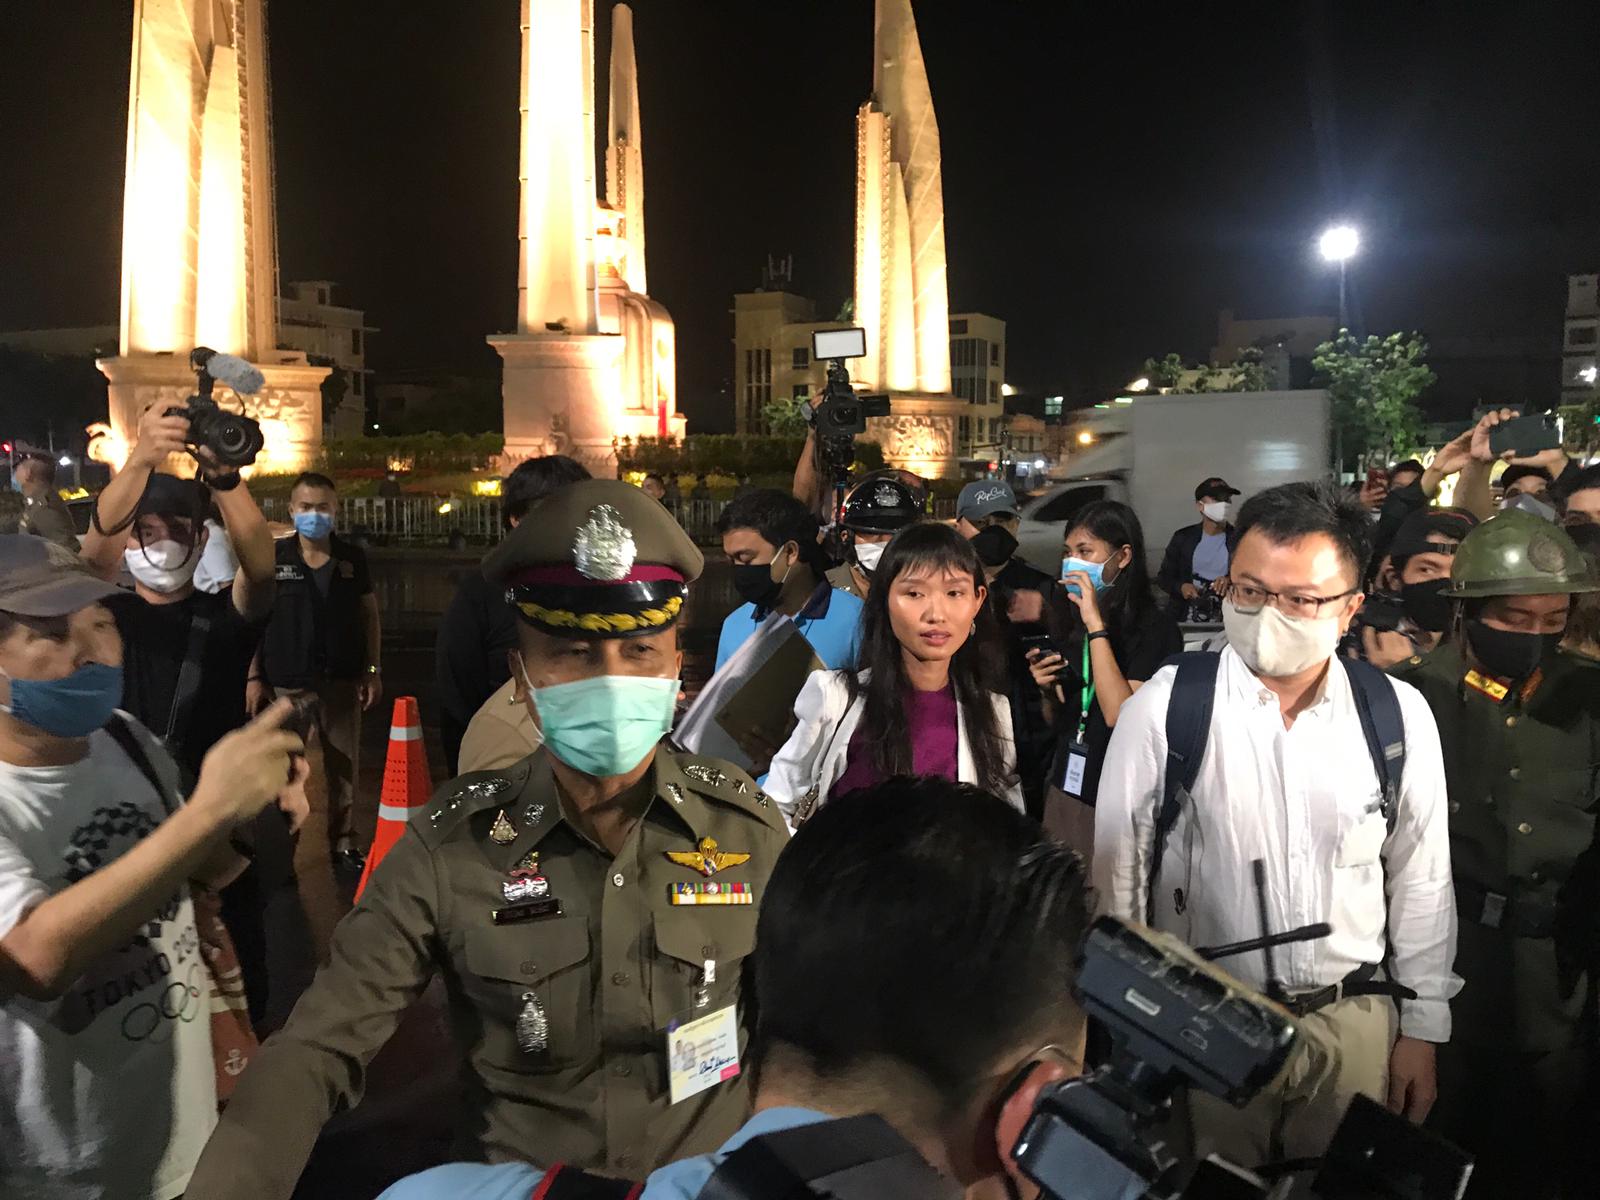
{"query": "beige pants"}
(1343, 1049)
(351, 822)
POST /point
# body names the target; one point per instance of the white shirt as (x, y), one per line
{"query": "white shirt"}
(1306, 800)
(109, 1091)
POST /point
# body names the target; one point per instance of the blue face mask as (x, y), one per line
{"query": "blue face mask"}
(313, 525)
(606, 725)
(1095, 571)
(72, 707)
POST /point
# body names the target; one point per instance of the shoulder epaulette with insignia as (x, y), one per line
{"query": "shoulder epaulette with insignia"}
(458, 799)
(718, 780)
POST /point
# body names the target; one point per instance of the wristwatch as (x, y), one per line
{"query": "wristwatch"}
(225, 482)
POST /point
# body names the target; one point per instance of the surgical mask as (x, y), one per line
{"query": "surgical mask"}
(73, 707)
(1530, 504)
(1216, 510)
(1276, 646)
(1095, 571)
(995, 545)
(754, 582)
(1506, 653)
(1426, 604)
(313, 525)
(606, 725)
(868, 554)
(164, 566)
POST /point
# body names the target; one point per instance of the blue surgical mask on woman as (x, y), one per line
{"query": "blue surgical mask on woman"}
(72, 707)
(313, 525)
(605, 726)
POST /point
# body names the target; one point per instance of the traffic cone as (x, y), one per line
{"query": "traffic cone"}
(406, 783)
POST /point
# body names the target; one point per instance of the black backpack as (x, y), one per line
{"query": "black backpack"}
(1189, 721)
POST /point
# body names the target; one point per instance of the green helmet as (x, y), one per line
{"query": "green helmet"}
(1515, 553)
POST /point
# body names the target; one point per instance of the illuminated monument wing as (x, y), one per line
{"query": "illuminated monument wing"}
(901, 295)
(199, 240)
(593, 358)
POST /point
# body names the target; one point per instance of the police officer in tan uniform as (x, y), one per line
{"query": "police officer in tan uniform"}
(579, 905)
(501, 733)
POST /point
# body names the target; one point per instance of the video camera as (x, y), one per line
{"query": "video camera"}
(235, 439)
(1175, 1021)
(841, 415)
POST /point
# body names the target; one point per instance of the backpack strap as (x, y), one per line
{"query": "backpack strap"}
(1188, 723)
(122, 733)
(1379, 709)
(562, 1182)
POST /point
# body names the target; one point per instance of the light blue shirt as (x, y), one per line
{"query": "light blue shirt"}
(830, 621)
(682, 1180)
(1211, 556)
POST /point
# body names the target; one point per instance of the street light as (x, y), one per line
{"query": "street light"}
(1339, 245)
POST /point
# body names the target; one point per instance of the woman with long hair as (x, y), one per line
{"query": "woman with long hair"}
(928, 698)
(1111, 636)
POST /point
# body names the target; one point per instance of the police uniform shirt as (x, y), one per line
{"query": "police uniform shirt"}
(611, 971)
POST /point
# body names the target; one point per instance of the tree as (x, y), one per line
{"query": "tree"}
(785, 417)
(1165, 372)
(1374, 384)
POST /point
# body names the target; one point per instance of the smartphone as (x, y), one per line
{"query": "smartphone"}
(1377, 477)
(1382, 613)
(1526, 435)
(1042, 642)
(303, 714)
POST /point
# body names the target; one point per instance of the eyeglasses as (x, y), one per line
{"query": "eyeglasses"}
(1248, 598)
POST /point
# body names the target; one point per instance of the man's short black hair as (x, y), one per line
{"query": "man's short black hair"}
(777, 516)
(1521, 471)
(919, 921)
(1409, 464)
(315, 479)
(1582, 481)
(1292, 511)
(44, 464)
(532, 479)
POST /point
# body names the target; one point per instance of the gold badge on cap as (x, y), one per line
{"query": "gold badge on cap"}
(706, 858)
(603, 547)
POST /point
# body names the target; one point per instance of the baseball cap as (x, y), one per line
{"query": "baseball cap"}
(1214, 488)
(984, 497)
(1417, 532)
(41, 579)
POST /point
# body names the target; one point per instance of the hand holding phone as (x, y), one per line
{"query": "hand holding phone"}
(1523, 436)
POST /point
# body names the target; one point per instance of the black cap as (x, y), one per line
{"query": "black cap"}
(880, 505)
(1214, 488)
(41, 579)
(1419, 532)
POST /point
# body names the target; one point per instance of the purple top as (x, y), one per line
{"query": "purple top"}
(935, 742)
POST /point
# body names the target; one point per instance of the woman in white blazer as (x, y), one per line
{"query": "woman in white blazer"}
(927, 700)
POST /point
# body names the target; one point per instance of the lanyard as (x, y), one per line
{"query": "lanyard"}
(1086, 694)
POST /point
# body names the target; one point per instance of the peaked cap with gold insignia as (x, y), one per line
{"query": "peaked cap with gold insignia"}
(596, 559)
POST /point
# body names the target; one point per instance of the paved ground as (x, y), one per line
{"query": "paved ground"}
(398, 1127)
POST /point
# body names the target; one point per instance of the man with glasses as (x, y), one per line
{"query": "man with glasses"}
(1286, 776)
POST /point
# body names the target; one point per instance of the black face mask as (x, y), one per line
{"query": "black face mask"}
(1426, 604)
(754, 582)
(1507, 654)
(995, 545)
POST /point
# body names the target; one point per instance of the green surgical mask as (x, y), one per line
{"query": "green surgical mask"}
(605, 726)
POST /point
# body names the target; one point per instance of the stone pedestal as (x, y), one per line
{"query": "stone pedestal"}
(289, 407)
(919, 434)
(562, 395)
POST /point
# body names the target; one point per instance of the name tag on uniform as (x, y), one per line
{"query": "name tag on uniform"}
(287, 571)
(1077, 764)
(702, 1053)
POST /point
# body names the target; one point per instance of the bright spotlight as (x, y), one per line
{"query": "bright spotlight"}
(1085, 438)
(1141, 384)
(1588, 374)
(67, 462)
(1339, 243)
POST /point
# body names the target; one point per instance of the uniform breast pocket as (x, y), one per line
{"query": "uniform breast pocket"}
(1362, 843)
(518, 972)
(1573, 785)
(684, 942)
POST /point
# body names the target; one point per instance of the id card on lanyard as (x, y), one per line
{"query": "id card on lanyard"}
(1077, 749)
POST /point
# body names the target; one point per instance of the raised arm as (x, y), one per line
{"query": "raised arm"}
(159, 436)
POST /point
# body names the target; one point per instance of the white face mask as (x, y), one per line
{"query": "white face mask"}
(163, 567)
(1216, 510)
(1276, 646)
(868, 554)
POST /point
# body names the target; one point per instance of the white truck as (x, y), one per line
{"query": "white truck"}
(1152, 452)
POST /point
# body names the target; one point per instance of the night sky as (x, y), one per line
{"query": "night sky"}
(1113, 174)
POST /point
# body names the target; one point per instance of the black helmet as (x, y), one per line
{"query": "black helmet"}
(880, 504)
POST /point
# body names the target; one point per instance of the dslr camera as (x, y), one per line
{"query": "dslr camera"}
(843, 411)
(234, 438)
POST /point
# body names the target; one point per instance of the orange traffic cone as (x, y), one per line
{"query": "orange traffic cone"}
(406, 783)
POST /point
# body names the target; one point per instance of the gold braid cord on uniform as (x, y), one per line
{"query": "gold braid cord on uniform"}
(620, 622)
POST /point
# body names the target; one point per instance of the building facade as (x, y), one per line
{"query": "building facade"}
(1580, 341)
(331, 335)
(977, 377)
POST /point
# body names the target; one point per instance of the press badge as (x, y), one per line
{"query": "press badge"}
(702, 1053)
(1077, 762)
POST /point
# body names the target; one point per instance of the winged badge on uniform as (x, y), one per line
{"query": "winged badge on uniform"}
(706, 858)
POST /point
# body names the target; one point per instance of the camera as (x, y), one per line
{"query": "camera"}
(235, 439)
(843, 411)
(1175, 1021)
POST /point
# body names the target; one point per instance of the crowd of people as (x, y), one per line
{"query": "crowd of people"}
(1344, 705)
